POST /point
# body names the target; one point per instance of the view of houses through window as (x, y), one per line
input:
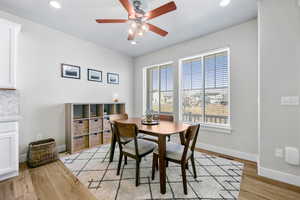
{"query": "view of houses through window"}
(160, 89)
(204, 89)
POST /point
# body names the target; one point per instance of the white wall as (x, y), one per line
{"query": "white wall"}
(42, 90)
(243, 43)
(279, 29)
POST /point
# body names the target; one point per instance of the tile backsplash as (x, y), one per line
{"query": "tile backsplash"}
(9, 103)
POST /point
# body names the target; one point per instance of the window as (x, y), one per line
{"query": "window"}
(205, 89)
(160, 89)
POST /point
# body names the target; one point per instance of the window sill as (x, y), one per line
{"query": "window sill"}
(215, 128)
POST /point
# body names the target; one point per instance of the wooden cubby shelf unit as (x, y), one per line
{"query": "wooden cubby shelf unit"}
(87, 124)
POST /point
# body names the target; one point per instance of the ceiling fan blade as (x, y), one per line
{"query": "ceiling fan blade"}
(162, 10)
(127, 5)
(157, 30)
(111, 20)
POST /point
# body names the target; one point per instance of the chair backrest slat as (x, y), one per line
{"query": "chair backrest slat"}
(126, 130)
(191, 135)
(113, 118)
(165, 117)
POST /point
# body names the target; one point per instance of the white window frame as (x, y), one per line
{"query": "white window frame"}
(146, 82)
(208, 126)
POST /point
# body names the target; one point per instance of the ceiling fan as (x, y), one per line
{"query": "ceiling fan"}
(138, 18)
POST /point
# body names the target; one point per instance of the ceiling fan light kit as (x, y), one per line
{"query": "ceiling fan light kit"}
(224, 3)
(138, 18)
(55, 4)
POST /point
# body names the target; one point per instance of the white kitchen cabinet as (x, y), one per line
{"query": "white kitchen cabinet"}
(8, 53)
(9, 156)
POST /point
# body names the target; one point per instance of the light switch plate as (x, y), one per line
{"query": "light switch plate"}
(290, 100)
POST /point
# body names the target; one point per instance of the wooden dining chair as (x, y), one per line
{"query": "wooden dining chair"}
(180, 154)
(136, 148)
(112, 119)
(166, 117)
(161, 118)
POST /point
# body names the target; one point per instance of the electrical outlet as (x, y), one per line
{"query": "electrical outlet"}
(279, 153)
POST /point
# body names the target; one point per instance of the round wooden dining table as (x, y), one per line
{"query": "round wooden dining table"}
(161, 131)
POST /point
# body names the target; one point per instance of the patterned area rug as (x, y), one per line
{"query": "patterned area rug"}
(218, 178)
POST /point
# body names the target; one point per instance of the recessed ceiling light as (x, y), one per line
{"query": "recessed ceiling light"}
(133, 42)
(55, 4)
(224, 3)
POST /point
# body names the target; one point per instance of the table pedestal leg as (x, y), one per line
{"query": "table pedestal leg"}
(162, 163)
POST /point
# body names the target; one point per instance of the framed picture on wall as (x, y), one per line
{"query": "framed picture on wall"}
(94, 75)
(70, 71)
(112, 78)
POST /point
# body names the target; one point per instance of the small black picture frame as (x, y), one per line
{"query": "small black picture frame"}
(113, 78)
(94, 75)
(70, 71)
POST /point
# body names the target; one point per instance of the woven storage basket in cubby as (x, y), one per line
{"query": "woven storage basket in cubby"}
(41, 152)
(95, 125)
(95, 139)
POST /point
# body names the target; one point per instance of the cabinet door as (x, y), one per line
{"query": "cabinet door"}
(8, 152)
(7, 49)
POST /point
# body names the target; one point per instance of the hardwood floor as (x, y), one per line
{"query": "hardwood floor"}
(254, 187)
(49, 182)
(55, 182)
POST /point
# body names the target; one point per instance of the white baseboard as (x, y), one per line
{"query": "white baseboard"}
(229, 152)
(279, 176)
(60, 148)
(9, 175)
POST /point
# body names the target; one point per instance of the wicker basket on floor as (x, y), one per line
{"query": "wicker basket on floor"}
(41, 152)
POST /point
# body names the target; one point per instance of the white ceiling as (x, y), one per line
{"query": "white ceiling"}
(192, 18)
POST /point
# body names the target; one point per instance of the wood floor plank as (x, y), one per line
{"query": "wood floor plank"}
(43, 186)
(26, 190)
(20, 188)
(268, 191)
(72, 187)
(245, 195)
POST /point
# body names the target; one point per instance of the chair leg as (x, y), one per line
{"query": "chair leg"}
(154, 164)
(183, 166)
(156, 158)
(187, 165)
(125, 160)
(119, 164)
(137, 178)
(167, 163)
(169, 138)
(194, 167)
